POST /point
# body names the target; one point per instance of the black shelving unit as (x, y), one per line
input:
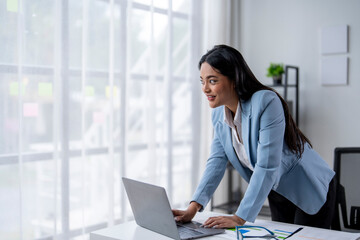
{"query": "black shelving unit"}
(286, 86)
(234, 198)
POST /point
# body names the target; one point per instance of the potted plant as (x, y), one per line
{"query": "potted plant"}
(275, 70)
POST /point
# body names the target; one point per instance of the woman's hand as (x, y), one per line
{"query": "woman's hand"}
(188, 214)
(224, 222)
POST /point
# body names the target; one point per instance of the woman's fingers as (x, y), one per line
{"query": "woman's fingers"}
(182, 216)
(177, 212)
(213, 222)
(220, 222)
(178, 215)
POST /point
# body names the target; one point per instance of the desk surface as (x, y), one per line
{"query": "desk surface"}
(131, 231)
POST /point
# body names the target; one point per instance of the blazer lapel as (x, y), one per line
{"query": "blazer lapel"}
(245, 127)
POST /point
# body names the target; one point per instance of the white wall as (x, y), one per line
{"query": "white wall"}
(289, 32)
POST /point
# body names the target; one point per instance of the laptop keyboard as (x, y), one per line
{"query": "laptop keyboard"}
(186, 232)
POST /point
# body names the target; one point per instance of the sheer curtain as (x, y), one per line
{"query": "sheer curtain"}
(221, 25)
(93, 90)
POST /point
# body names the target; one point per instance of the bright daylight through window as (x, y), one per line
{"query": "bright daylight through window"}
(91, 91)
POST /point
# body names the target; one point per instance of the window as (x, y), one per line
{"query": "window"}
(91, 91)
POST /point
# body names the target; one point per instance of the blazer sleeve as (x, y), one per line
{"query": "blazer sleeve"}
(214, 170)
(269, 116)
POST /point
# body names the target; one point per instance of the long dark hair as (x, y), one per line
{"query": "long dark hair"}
(230, 63)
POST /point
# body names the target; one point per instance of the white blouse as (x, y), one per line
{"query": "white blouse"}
(235, 124)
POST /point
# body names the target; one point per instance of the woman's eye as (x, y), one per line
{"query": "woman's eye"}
(212, 81)
(202, 82)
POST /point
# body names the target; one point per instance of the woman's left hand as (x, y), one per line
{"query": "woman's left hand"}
(224, 222)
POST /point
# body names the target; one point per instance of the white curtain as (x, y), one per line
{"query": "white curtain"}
(91, 91)
(221, 25)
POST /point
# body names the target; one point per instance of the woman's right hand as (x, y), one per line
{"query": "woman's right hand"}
(188, 214)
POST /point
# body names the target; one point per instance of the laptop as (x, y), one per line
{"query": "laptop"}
(151, 209)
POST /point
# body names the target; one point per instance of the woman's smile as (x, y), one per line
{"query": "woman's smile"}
(210, 97)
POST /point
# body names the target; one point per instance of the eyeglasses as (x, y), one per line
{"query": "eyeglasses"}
(246, 232)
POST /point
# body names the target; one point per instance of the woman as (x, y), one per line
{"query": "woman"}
(254, 130)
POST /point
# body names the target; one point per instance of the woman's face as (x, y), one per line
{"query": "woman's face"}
(218, 89)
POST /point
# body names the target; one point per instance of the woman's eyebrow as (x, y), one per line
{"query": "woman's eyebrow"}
(211, 76)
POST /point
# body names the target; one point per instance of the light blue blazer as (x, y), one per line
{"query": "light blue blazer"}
(304, 181)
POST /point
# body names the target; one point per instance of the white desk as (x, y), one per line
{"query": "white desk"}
(131, 231)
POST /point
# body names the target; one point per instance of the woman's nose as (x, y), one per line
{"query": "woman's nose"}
(205, 88)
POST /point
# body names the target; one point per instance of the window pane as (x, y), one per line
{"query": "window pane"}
(160, 112)
(182, 175)
(119, 57)
(88, 195)
(9, 202)
(96, 112)
(39, 19)
(37, 114)
(39, 199)
(157, 3)
(8, 35)
(140, 33)
(75, 31)
(181, 47)
(146, 2)
(141, 168)
(118, 106)
(75, 114)
(117, 185)
(181, 98)
(136, 112)
(182, 6)
(9, 120)
(161, 3)
(98, 35)
(182, 136)
(161, 28)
